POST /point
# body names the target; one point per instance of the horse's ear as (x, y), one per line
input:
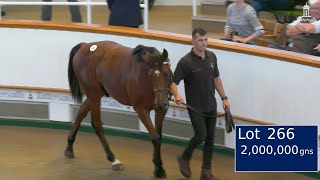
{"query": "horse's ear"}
(164, 55)
(149, 57)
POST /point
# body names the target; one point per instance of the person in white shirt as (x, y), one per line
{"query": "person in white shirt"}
(305, 37)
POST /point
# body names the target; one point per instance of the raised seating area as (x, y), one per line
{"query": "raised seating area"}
(273, 31)
(213, 18)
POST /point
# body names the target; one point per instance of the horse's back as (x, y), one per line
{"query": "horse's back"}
(115, 68)
(97, 53)
(103, 48)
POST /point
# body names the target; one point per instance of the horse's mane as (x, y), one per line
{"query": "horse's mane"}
(140, 53)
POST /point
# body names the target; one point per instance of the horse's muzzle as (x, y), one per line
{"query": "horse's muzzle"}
(161, 107)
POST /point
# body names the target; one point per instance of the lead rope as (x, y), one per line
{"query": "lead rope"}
(171, 98)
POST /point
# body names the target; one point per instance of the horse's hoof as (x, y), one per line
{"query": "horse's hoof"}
(68, 154)
(118, 167)
(160, 173)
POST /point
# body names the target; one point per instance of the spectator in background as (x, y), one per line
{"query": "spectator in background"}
(260, 5)
(46, 12)
(125, 13)
(304, 37)
(3, 13)
(267, 5)
(242, 24)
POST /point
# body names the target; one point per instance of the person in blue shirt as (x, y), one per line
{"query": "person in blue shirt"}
(125, 13)
(267, 5)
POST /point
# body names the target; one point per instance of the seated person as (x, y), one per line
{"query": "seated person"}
(304, 37)
(242, 24)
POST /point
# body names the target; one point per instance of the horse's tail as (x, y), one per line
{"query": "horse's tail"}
(73, 81)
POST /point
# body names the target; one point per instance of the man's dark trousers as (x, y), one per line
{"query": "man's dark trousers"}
(204, 129)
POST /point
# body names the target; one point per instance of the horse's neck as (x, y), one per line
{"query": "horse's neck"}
(141, 72)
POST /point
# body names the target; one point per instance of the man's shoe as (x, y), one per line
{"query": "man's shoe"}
(184, 166)
(207, 175)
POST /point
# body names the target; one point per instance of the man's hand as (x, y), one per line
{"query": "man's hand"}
(175, 93)
(225, 104)
(179, 100)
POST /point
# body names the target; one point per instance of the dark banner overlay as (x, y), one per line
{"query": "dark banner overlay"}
(276, 148)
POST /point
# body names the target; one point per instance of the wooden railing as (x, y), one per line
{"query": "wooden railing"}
(286, 56)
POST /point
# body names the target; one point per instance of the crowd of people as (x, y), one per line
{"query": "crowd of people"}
(243, 26)
(242, 23)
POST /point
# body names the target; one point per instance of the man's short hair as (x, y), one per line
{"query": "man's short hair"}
(198, 30)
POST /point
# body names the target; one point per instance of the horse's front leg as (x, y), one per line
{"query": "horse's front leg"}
(144, 116)
(83, 111)
(159, 171)
(97, 125)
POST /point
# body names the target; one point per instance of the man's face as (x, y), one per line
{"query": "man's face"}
(315, 10)
(200, 42)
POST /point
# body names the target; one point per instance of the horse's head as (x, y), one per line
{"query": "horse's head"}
(161, 77)
(159, 72)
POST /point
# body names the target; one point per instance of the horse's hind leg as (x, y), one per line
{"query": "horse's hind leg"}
(159, 171)
(83, 111)
(97, 125)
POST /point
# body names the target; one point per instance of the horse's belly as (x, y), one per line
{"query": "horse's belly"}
(122, 100)
(120, 95)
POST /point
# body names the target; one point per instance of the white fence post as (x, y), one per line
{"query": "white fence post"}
(146, 15)
(89, 15)
(194, 8)
(0, 11)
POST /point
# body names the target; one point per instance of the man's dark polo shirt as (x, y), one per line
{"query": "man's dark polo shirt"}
(198, 76)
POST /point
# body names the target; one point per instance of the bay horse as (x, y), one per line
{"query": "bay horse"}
(139, 77)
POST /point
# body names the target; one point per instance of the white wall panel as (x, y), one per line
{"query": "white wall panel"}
(258, 88)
